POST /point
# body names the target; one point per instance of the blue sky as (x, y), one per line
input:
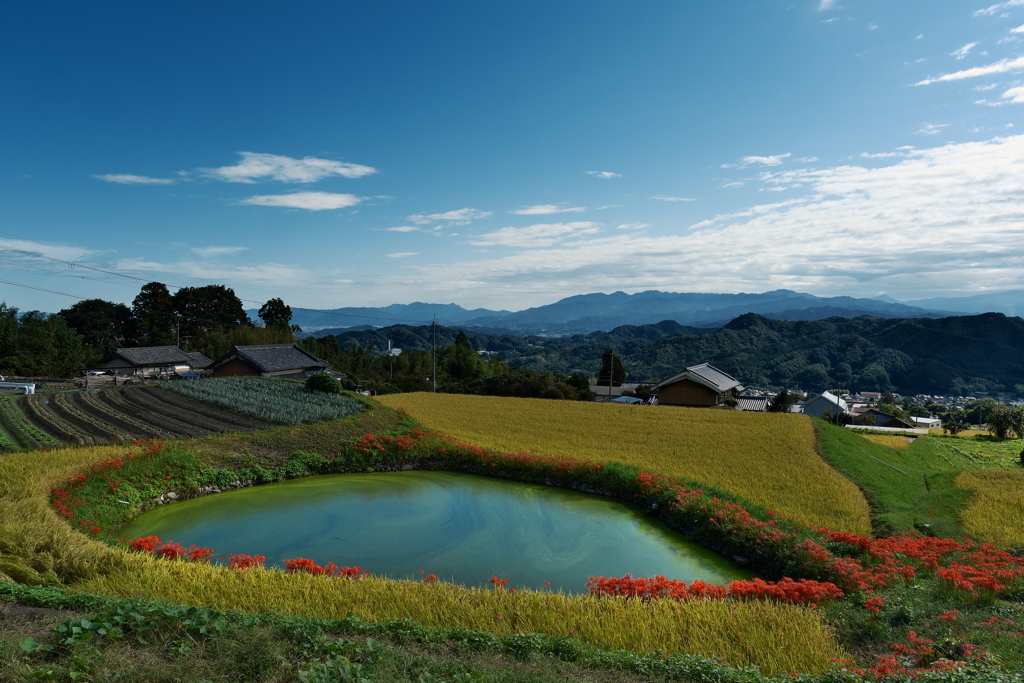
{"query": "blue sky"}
(506, 155)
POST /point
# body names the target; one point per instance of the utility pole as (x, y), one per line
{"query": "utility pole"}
(433, 355)
(611, 372)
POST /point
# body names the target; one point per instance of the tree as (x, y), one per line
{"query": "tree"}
(1004, 421)
(275, 314)
(611, 369)
(155, 319)
(208, 309)
(103, 325)
(781, 402)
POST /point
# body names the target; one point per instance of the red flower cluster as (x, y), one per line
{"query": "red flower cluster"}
(169, 550)
(304, 566)
(874, 604)
(498, 583)
(803, 591)
(245, 561)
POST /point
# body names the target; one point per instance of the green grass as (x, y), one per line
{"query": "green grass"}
(921, 493)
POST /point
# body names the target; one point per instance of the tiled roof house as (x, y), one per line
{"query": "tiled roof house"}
(268, 360)
(698, 385)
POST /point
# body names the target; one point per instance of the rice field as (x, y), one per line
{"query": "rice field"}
(776, 637)
(895, 441)
(766, 458)
(995, 513)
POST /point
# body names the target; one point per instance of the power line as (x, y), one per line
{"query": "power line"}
(73, 264)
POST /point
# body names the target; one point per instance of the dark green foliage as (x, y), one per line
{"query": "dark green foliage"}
(276, 314)
(155, 321)
(1005, 421)
(611, 370)
(39, 344)
(103, 325)
(322, 381)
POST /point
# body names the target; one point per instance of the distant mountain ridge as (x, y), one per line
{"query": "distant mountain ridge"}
(601, 312)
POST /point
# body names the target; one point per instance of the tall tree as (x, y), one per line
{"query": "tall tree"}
(275, 314)
(103, 325)
(611, 369)
(207, 310)
(155, 319)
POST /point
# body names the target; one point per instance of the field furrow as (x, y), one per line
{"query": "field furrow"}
(98, 429)
(227, 421)
(90, 404)
(42, 417)
(138, 406)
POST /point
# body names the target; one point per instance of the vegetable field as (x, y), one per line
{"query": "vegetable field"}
(768, 459)
(111, 415)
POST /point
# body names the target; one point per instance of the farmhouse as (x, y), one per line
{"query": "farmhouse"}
(699, 385)
(882, 419)
(149, 360)
(268, 360)
(825, 401)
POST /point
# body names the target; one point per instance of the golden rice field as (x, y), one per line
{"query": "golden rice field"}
(775, 637)
(995, 513)
(900, 443)
(766, 458)
(35, 543)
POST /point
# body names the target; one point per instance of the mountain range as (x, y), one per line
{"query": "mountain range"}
(602, 312)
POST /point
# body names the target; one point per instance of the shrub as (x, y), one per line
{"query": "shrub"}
(321, 381)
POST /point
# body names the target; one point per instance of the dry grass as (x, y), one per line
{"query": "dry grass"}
(995, 513)
(765, 458)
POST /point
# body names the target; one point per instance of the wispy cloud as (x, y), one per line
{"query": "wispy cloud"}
(22, 249)
(943, 218)
(402, 228)
(1000, 67)
(1015, 95)
(129, 179)
(311, 201)
(666, 198)
(825, 5)
(931, 128)
(771, 160)
(459, 216)
(962, 52)
(208, 252)
(403, 254)
(544, 209)
(534, 236)
(1019, 29)
(255, 167)
(989, 11)
(603, 174)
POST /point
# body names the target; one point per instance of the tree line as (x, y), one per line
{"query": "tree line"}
(208, 319)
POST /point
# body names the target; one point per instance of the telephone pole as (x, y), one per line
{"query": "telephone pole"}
(433, 355)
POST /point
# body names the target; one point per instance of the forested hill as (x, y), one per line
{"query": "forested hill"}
(955, 355)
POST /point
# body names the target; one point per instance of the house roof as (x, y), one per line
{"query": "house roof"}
(705, 374)
(273, 358)
(755, 403)
(144, 356)
(198, 361)
(831, 398)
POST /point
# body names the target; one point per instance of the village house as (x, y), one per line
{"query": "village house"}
(268, 360)
(817, 406)
(153, 361)
(700, 385)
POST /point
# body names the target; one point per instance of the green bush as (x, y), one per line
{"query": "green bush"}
(321, 381)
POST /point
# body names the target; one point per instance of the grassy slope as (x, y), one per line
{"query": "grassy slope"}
(899, 501)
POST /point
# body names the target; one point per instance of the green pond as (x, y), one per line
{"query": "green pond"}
(461, 527)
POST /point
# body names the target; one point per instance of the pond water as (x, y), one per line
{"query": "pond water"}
(461, 527)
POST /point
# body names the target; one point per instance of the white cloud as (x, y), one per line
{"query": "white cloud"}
(534, 236)
(771, 160)
(632, 226)
(32, 249)
(207, 252)
(983, 88)
(543, 209)
(1015, 95)
(962, 52)
(665, 198)
(403, 254)
(1019, 29)
(603, 174)
(932, 128)
(402, 228)
(944, 218)
(270, 274)
(256, 167)
(989, 11)
(825, 5)
(1000, 67)
(129, 179)
(311, 201)
(459, 216)
(872, 27)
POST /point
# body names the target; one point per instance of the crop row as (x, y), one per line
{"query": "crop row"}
(18, 431)
(112, 414)
(288, 402)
